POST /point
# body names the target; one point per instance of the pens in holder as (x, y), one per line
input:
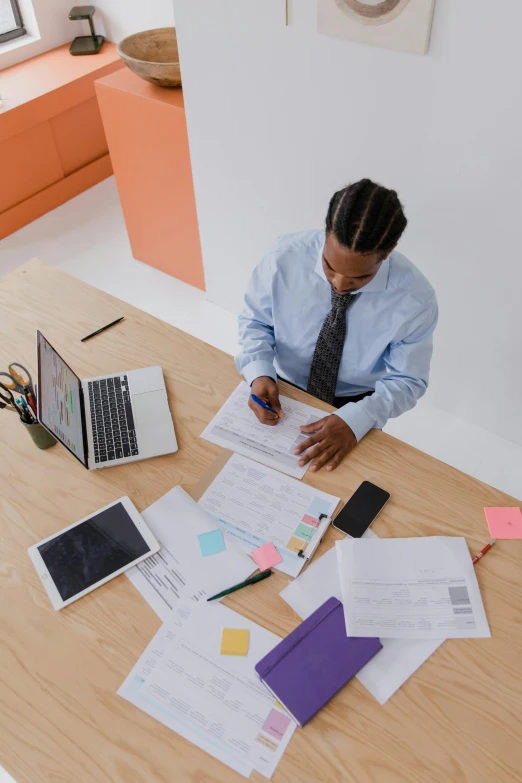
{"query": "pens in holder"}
(31, 400)
(263, 404)
(24, 411)
(30, 411)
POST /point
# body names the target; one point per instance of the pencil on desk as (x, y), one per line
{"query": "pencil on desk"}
(102, 329)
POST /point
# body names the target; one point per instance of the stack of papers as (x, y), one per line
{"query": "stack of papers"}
(215, 701)
(237, 428)
(183, 567)
(400, 657)
(410, 588)
(256, 505)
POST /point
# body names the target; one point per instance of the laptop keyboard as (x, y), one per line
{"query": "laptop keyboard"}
(113, 428)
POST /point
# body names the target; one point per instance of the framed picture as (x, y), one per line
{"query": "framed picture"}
(394, 24)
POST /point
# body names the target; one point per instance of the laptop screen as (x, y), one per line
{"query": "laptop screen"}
(59, 399)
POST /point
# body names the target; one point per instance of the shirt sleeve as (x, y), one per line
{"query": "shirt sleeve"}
(256, 326)
(404, 381)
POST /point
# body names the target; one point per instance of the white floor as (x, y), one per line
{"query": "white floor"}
(87, 238)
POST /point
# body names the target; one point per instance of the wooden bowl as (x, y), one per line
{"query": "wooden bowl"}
(153, 55)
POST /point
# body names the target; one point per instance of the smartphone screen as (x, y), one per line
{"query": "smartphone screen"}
(359, 512)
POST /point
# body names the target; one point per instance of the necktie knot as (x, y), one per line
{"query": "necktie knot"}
(341, 301)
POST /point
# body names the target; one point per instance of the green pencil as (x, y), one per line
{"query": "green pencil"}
(251, 581)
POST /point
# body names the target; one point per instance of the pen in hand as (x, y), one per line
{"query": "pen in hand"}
(263, 404)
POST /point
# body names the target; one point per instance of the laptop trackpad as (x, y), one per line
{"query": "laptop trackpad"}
(151, 414)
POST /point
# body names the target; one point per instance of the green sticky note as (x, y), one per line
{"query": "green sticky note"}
(304, 531)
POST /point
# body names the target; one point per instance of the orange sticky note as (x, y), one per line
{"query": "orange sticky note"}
(235, 641)
(504, 522)
(296, 544)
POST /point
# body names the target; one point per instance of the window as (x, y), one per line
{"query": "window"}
(11, 25)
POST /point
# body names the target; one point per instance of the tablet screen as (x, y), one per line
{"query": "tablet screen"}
(80, 557)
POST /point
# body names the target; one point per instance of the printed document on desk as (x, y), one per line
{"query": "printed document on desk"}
(215, 701)
(410, 588)
(256, 504)
(237, 428)
(178, 569)
(399, 658)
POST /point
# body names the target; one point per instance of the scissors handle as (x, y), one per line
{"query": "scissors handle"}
(11, 384)
(20, 378)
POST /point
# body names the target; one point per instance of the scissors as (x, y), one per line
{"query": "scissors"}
(18, 382)
(21, 383)
(7, 400)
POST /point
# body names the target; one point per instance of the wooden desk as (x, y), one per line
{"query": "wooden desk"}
(457, 719)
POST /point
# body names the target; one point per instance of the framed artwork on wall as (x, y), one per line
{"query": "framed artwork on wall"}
(394, 24)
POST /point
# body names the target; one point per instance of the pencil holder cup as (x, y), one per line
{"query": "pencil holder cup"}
(40, 436)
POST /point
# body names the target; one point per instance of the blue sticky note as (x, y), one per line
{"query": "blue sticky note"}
(211, 543)
(318, 506)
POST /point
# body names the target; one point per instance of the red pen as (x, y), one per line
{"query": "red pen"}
(483, 551)
(31, 401)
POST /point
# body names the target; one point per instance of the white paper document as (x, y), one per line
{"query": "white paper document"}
(179, 569)
(398, 659)
(237, 428)
(215, 701)
(410, 588)
(255, 504)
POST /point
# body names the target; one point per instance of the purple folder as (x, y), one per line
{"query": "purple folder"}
(315, 661)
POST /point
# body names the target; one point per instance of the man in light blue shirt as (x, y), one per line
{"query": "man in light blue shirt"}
(340, 313)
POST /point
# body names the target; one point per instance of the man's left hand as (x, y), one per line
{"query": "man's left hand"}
(329, 443)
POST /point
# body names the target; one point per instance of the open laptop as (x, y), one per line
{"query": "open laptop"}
(107, 420)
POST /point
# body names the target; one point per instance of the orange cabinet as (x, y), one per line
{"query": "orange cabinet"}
(52, 143)
(147, 135)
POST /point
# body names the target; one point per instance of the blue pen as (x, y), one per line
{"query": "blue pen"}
(263, 404)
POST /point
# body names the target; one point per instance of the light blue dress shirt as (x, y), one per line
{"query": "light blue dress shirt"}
(388, 343)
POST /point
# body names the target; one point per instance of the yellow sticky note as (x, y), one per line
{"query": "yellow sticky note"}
(296, 544)
(234, 641)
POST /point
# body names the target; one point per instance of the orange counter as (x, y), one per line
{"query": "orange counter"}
(52, 142)
(147, 136)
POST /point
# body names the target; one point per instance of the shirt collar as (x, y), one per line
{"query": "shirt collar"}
(378, 283)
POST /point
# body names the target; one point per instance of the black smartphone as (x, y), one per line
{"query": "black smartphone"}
(358, 513)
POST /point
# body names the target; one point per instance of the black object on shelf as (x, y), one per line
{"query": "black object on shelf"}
(85, 44)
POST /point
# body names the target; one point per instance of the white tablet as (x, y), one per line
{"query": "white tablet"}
(88, 553)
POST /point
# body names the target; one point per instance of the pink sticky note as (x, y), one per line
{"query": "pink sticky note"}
(276, 724)
(504, 522)
(266, 556)
(311, 520)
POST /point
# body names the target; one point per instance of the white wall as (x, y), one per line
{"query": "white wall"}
(281, 117)
(119, 18)
(49, 25)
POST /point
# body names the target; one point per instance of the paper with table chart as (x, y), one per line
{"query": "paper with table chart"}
(410, 588)
(236, 427)
(255, 505)
(179, 567)
(398, 659)
(216, 702)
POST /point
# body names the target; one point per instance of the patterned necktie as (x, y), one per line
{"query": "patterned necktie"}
(322, 380)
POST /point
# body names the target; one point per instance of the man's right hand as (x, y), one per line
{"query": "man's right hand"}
(266, 389)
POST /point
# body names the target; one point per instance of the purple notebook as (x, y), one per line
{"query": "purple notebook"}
(315, 661)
